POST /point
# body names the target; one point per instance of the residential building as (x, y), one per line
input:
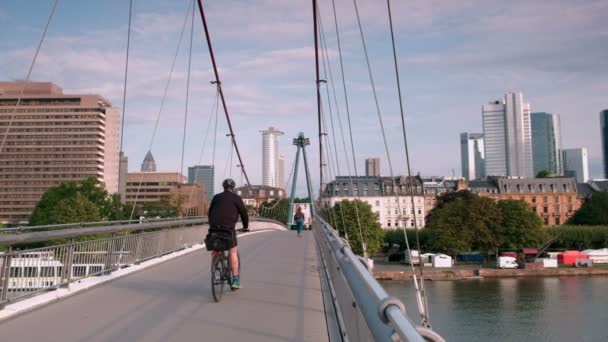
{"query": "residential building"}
(389, 198)
(149, 164)
(604, 134)
(257, 194)
(546, 143)
(507, 137)
(576, 164)
(437, 186)
(53, 138)
(270, 157)
(205, 175)
(143, 187)
(472, 156)
(372, 167)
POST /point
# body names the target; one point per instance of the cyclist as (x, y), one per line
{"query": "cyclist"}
(224, 212)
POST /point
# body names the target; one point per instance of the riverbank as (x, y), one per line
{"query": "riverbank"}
(401, 272)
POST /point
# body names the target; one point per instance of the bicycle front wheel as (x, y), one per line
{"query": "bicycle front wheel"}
(217, 278)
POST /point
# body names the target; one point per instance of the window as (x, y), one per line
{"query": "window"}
(545, 200)
(377, 203)
(557, 208)
(569, 199)
(545, 209)
(419, 211)
(388, 223)
(557, 220)
(396, 211)
(556, 199)
(533, 199)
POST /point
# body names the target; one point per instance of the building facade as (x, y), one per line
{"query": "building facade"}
(144, 187)
(604, 135)
(149, 164)
(576, 164)
(389, 198)
(546, 143)
(257, 194)
(204, 174)
(472, 156)
(270, 157)
(53, 138)
(372, 167)
(508, 137)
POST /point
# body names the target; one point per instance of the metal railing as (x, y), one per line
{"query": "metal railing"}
(365, 311)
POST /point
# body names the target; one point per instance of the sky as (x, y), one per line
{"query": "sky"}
(453, 56)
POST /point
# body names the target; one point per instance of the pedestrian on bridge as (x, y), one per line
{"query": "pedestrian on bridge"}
(298, 218)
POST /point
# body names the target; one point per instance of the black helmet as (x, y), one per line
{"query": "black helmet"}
(228, 183)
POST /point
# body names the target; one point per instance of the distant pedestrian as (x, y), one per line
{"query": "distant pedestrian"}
(298, 218)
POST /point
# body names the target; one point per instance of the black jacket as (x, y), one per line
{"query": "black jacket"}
(225, 209)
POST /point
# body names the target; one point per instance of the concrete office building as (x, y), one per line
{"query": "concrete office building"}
(53, 138)
(372, 167)
(604, 129)
(508, 137)
(472, 156)
(576, 164)
(270, 157)
(546, 143)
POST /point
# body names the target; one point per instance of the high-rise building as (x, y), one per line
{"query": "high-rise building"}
(53, 138)
(149, 164)
(281, 171)
(576, 164)
(372, 167)
(546, 143)
(472, 155)
(508, 137)
(205, 175)
(604, 128)
(270, 157)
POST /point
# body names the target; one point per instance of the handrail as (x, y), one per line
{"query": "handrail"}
(385, 315)
(13, 239)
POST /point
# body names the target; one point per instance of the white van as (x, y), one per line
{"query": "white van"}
(506, 262)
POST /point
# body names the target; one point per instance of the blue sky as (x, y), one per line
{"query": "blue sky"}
(454, 56)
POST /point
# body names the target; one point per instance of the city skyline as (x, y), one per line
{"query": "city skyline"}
(85, 47)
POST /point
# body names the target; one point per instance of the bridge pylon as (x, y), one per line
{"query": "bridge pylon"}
(300, 142)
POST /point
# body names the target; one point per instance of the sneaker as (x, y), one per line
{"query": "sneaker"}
(236, 284)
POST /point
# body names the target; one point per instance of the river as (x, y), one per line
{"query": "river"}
(513, 309)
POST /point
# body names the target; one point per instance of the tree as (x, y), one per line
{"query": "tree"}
(520, 227)
(464, 222)
(543, 174)
(594, 211)
(371, 231)
(53, 207)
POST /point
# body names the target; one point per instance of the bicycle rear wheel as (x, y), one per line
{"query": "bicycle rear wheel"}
(217, 278)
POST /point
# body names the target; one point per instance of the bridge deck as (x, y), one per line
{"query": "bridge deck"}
(281, 300)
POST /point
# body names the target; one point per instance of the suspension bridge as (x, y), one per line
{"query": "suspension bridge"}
(132, 280)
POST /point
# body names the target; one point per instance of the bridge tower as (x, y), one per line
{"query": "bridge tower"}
(300, 142)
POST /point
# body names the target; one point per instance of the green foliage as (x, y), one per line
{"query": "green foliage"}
(543, 174)
(277, 210)
(371, 231)
(574, 237)
(395, 236)
(520, 226)
(463, 223)
(71, 202)
(594, 211)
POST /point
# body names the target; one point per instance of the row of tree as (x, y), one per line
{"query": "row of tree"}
(89, 201)
(463, 221)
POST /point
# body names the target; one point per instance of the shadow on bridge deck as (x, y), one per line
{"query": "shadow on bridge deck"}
(281, 301)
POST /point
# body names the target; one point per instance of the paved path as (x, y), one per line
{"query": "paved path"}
(281, 301)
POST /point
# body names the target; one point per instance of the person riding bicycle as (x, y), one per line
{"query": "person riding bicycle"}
(224, 212)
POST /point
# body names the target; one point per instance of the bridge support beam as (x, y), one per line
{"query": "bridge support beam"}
(300, 142)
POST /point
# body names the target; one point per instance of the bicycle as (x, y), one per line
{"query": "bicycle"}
(221, 272)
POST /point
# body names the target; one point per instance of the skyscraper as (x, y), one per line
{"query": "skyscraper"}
(546, 143)
(472, 155)
(205, 175)
(507, 137)
(270, 157)
(54, 138)
(148, 165)
(576, 164)
(604, 128)
(281, 171)
(372, 167)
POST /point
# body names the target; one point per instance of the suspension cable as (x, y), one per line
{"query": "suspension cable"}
(181, 165)
(421, 299)
(124, 89)
(29, 74)
(162, 104)
(407, 157)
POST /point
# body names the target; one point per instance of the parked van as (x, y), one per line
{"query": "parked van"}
(415, 257)
(506, 262)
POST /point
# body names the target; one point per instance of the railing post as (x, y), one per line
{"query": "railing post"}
(66, 274)
(110, 250)
(5, 273)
